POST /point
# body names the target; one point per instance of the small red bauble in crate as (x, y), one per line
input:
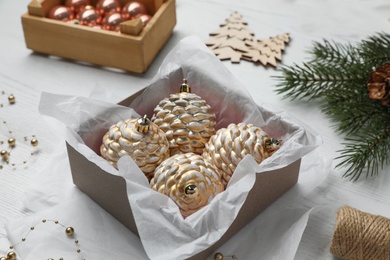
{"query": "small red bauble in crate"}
(133, 9)
(77, 5)
(61, 13)
(89, 17)
(111, 22)
(105, 7)
(145, 18)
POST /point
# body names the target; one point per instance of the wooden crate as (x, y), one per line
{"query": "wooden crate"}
(124, 51)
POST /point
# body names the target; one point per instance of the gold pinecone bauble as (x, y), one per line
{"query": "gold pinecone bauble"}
(187, 120)
(189, 180)
(379, 84)
(230, 145)
(138, 138)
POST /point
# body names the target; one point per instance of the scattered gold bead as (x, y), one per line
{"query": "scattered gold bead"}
(11, 255)
(61, 258)
(11, 99)
(78, 250)
(4, 154)
(11, 142)
(44, 220)
(34, 142)
(32, 228)
(50, 259)
(76, 241)
(69, 231)
(218, 256)
(56, 222)
(3, 258)
(23, 239)
(11, 247)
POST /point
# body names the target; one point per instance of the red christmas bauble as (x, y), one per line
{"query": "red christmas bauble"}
(145, 18)
(111, 22)
(133, 9)
(77, 5)
(105, 7)
(61, 13)
(89, 17)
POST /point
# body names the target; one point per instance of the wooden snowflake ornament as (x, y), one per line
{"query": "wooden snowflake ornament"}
(235, 41)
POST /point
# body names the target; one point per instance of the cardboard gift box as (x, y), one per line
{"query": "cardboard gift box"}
(109, 191)
(161, 227)
(133, 49)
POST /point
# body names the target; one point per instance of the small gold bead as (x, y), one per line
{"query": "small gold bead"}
(23, 239)
(218, 256)
(11, 99)
(11, 142)
(3, 258)
(56, 222)
(69, 231)
(11, 255)
(78, 250)
(11, 247)
(34, 142)
(32, 228)
(4, 154)
(50, 259)
(44, 220)
(61, 258)
(76, 241)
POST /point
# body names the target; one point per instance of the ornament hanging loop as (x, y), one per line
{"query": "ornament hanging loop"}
(143, 124)
(184, 87)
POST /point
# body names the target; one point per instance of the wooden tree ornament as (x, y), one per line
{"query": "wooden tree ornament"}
(235, 41)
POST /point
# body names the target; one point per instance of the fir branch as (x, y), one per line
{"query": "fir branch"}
(352, 110)
(337, 75)
(336, 54)
(368, 153)
(315, 80)
(375, 50)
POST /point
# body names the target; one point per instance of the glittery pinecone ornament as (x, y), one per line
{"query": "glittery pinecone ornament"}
(230, 145)
(379, 84)
(138, 138)
(186, 119)
(189, 180)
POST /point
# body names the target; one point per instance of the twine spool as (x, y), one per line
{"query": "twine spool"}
(359, 235)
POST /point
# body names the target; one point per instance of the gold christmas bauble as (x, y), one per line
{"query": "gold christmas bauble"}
(189, 180)
(138, 138)
(230, 145)
(187, 120)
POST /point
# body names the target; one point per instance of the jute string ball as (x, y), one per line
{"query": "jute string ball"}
(359, 235)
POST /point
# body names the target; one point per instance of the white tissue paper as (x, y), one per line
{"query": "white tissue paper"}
(162, 230)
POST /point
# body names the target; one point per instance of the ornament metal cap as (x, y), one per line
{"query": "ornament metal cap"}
(184, 87)
(142, 125)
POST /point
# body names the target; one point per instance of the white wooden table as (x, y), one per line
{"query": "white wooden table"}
(26, 75)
